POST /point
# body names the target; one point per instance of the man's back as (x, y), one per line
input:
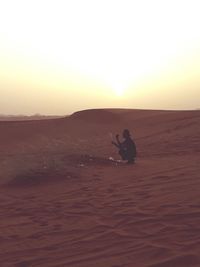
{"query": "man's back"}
(130, 147)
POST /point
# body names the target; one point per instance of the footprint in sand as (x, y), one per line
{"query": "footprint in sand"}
(57, 227)
(22, 264)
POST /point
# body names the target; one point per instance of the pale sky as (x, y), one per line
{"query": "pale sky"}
(59, 56)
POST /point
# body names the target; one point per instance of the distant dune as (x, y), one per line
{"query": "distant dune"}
(64, 203)
(26, 118)
(97, 116)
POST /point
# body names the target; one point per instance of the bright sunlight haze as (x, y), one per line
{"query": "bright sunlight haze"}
(60, 56)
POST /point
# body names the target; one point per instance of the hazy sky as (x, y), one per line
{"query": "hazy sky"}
(59, 56)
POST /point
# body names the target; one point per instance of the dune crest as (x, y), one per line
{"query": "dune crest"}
(96, 116)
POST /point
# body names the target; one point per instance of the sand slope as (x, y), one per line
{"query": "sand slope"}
(63, 203)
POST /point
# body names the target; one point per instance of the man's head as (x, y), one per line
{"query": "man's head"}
(126, 133)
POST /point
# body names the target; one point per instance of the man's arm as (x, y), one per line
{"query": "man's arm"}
(118, 142)
(115, 144)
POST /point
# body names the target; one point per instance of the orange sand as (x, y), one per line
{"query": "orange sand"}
(64, 204)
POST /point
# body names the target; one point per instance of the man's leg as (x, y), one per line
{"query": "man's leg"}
(123, 155)
(131, 161)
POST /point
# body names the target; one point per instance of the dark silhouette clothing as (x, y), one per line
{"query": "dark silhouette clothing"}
(127, 149)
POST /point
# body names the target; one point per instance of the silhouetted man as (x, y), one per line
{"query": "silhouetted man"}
(127, 148)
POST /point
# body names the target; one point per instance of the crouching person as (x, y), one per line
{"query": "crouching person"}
(127, 148)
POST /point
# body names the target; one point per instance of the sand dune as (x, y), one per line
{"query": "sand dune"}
(64, 203)
(96, 116)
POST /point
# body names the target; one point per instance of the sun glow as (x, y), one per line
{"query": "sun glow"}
(114, 44)
(119, 91)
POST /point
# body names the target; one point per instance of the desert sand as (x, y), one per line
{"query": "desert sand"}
(65, 204)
